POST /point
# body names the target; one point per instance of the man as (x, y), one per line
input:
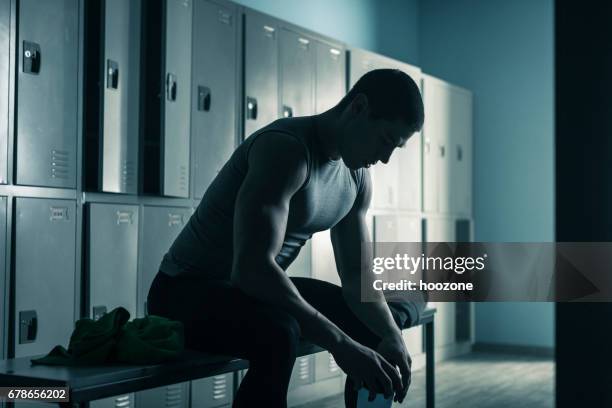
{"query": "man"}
(224, 276)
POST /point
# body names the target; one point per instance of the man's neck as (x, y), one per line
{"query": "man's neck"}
(327, 134)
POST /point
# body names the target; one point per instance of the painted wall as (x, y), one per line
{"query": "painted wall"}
(388, 27)
(503, 52)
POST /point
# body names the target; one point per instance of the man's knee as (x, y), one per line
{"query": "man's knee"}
(282, 335)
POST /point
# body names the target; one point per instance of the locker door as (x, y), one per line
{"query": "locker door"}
(120, 94)
(215, 41)
(5, 15)
(213, 391)
(112, 257)
(177, 98)
(410, 161)
(330, 85)
(460, 154)
(302, 265)
(296, 74)
(303, 372)
(323, 261)
(122, 401)
(45, 251)
(260, 72)
(443, 230)
(47, 72)
(171, 396)
(360, 62)
(326, 366)
(3, 316)
(161, 225)
(431, 136)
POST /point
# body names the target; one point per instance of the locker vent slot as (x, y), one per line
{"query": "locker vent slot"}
(225, 17)
(333, 367)
(175, 219)
(304, 368)
(128, 173)
(125, 217)
(219, 387)
(58, 214)
(174, 396)
(304, 43)
(335, 54)
(123, 401)
(269, 32)
(60, 164)
(182, 177)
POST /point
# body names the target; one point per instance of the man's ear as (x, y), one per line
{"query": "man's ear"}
(359, 105)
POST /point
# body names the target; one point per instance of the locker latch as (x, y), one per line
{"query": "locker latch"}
(251, 108)
(459, 153)
(287, 112)
(28, 326)
(112, 74)
(31, 57)
(171, 87)
(203, 98)
(98, 312)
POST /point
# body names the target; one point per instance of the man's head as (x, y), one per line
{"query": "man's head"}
(380, 113)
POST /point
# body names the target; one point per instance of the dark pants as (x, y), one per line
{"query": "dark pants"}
(219, 318)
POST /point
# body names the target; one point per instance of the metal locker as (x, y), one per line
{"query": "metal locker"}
(3, 291)
(5, 41)
(260, 71)
(121, 401)
(113, 89)
(112, 251)
(170, 396)
(296, 74)
(323, 261)
(460, 154)
(303, 372)
(442, 230)
(330, 83)
(45, 266)
(161, 225)
(215, 45)
(167, 78)
(325, 366)
(213, 391)
(47, 84)
(302, 264)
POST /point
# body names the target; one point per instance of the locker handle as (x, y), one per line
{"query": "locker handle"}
(171, 87)
(427, 146)
(204, 98)
(112, 74)
(31, 57)
(459, 153)
(287, 111)
(442, 151)
(28, 326)
(251, 104)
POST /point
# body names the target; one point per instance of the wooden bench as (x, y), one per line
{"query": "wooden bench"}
(95, 382)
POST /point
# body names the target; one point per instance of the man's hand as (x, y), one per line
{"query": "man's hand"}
(393, 349)
(367, 367)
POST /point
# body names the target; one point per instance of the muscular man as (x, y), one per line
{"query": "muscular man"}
(224, 276)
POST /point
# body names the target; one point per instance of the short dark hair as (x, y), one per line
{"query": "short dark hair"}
(391, 94)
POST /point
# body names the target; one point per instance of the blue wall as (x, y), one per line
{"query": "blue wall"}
(388, 27)
(503, 51)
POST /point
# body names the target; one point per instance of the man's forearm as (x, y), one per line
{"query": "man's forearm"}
(272, 286)
(375, 315)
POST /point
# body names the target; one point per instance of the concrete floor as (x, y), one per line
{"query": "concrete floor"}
(480, 380)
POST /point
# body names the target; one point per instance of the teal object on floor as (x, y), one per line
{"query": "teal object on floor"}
(113, 339)
(379, 401)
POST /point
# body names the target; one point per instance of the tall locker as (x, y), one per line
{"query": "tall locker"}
(296, 74)
(112, 109)
(330, 76)
(214, 89)
(3, 311)
(5, 41)
(460, 151)
(167, 72)
(260, 71)
(212, 392)
(112, 257)
(442, 230)
(161, 225)
(47, 84)
(323, 261)
(45, 265)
